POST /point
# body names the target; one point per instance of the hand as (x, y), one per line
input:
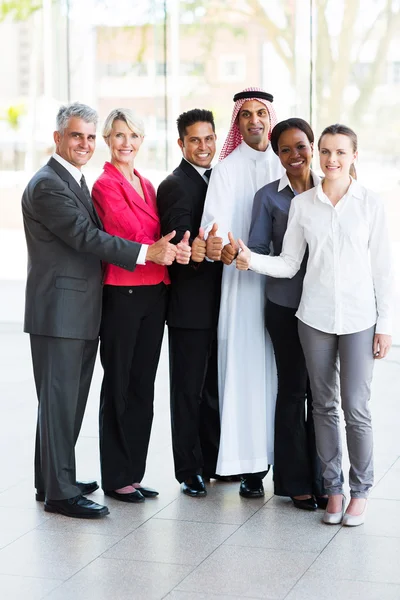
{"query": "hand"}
(199, 247)
(214, 244)
(183, 250)
(243, 258)
(230, 251)
(162, 252)
(382, 345)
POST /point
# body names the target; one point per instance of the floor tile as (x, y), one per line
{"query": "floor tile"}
(15, 522)
(14, 587)
(205, 595)
(51, 554)
(250, 572)
(363, 557)
(295, 530)
(389, 486)
(221, 505)
(383, 519)
(121, 579)
(168, 541)
(324, 588)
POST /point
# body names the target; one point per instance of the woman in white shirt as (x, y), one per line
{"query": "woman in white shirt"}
(344, 310)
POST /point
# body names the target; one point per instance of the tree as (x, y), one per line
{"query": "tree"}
(18, 10)
(12, 116)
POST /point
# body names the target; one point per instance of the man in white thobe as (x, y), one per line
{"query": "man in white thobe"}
(247, 372)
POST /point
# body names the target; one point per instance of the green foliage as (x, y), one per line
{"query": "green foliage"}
(18, 10)
(12, 116)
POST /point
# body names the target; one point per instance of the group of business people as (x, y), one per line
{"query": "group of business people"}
(117, 264)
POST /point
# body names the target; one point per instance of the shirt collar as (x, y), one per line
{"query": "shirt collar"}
(284, 181)
(200, 170)
(354, 189)
(254, 154)
(74, 171)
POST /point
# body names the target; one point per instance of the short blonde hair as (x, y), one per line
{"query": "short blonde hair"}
(128, 116)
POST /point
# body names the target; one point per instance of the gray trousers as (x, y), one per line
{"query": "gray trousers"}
(354, 351)
(63, 370)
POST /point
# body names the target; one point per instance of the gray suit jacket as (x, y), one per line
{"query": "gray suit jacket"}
(66, 245)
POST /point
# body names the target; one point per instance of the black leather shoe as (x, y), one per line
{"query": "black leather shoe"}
(321, 502)
(134, 497)
(86, 487)
(307, 504)
(147, 492)
(251, 487)
(194, 486)
(78, 507)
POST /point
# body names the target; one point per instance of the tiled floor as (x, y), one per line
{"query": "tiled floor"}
(180, 548)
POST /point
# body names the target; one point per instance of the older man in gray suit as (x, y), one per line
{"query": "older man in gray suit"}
(66, 245)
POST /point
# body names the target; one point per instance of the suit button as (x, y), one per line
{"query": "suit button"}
(131, 291)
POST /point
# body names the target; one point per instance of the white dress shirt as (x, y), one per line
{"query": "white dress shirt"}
(348, 283)
(77, 175)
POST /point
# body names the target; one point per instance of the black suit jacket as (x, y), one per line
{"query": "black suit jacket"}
(66, 245)
(195, 288)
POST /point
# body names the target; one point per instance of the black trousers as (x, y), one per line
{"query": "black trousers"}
(131, 334)
(297, 469)
(195, 420)
(63, 370)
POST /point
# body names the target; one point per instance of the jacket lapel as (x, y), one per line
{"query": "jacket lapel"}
(194, 175)
(147, 204)
(75, 189)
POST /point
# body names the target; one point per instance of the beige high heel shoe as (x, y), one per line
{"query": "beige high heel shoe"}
(334, 518)
(355, 520)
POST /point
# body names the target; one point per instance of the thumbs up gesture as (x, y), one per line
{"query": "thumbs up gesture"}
(244, 256)
(230, 251)
(183, 250)
(199, 247)
(162, 252)
(214, 244)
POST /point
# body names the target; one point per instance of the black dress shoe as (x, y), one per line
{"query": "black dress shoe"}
(251, 487)
(147, 492)
(321, 502)
(78, 507)
(86, 487)
(133, 497)
(194, 486)
(307, 504)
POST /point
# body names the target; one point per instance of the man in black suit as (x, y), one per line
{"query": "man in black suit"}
(66, 245)
(193, 308)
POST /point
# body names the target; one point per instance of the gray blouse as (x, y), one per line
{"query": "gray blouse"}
(268, 226)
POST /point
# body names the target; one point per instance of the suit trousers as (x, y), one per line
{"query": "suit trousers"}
(63, 370)
(195, 420)
(297, 468)
(131, 334)
(354, 351)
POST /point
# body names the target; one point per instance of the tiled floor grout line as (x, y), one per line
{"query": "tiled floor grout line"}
(215, 549)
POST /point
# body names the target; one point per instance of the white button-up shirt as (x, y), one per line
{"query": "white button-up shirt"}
(348, 282)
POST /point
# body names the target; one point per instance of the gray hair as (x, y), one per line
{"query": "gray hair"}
(75, 109)
(134, 122)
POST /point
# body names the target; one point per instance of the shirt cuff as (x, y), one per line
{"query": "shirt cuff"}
(384, 325)
(141, 259)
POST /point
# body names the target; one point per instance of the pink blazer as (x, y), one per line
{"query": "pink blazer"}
(125, 214)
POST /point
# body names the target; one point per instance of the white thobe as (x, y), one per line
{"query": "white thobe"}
(246, 366)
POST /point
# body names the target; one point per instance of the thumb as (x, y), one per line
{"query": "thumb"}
(185, 239)
(214, 229)
(242, 245)
(232, 240)
(201, 233)
(169, 236)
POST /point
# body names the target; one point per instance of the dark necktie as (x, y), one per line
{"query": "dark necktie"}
(207, 174)
(85, 190)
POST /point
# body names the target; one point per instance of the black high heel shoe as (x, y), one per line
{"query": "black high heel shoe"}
(307, 504)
